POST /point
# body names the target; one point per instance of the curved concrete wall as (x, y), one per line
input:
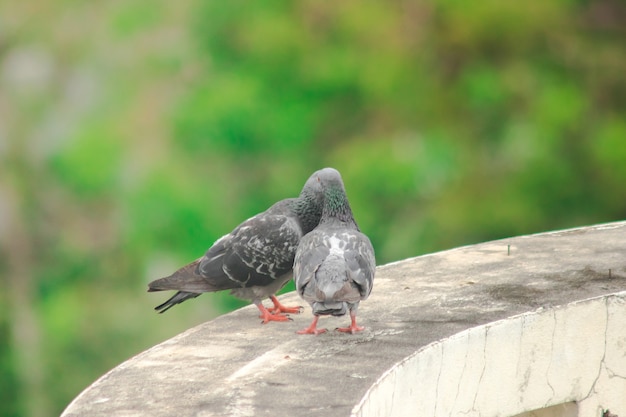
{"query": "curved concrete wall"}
(573, 353)
(494, 329)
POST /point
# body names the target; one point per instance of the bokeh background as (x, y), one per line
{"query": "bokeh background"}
(133, 133)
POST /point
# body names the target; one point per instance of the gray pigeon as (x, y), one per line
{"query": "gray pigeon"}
(255, 260)
(334, 266)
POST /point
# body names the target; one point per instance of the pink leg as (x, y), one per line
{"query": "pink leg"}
(267, 316)
(279, 308)
(353, 327)
(312, 329)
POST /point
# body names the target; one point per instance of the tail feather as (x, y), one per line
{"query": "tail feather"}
(330, 308)
(187, 283)
(177, 298)
(186, 279)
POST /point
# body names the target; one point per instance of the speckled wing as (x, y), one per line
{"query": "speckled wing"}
(361, 263)
(309, 256)
(256, 253)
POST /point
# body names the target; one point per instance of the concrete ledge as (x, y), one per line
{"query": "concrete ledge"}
(496, 329)
(573, 355)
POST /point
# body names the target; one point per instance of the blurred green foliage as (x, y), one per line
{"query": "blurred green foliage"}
(133, 134)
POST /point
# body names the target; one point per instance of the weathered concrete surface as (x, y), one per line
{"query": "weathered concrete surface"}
(234, 366)
(565, 361)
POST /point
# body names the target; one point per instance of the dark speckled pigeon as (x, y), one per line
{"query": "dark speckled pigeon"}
(334, 266)
(255, 260)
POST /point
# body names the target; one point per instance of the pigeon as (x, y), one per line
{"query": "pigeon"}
(255, 260)
(335, 263)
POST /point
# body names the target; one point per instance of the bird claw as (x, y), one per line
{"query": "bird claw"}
(274, 317)
(351, 329)
(283, 309)
(314, 331)
(267, 316)
(279, 308)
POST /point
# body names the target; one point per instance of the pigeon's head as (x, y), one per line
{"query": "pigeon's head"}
(323, 192)
(329, 178)
(313, 189)
(310, 203)
(319, 181)
(336, 203)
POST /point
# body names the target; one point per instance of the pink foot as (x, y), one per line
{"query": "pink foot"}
(267, 316)
(312, 329)
(353, 328)
(279, 308)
